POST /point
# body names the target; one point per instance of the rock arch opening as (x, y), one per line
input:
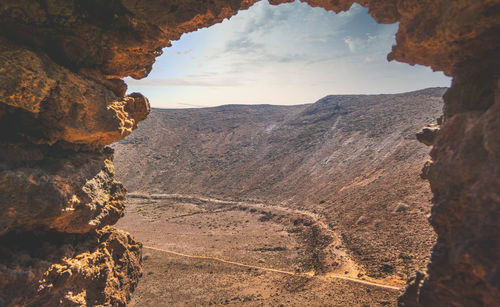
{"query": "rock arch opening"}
(61, 69)
(355, 154)
(282, 55)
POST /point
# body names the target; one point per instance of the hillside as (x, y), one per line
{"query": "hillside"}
(351, 159)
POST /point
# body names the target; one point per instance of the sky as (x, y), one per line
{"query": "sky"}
(284, 55)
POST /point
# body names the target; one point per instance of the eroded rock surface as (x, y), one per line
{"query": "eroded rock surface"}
(465, 180)
(55, 269)
(60, 105)
(61, 191)
(61, 65)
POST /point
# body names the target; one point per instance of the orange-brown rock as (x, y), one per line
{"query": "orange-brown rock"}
(51, 189)
(427, 135)
(101, 268)
(465, 180)
(56, 104)
(124, 37)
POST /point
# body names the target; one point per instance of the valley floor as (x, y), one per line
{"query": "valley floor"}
(203, 251)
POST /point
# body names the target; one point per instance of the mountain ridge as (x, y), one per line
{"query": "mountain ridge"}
(437, 88)
(352, 159)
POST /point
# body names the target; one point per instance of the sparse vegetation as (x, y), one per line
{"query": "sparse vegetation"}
(344, 159)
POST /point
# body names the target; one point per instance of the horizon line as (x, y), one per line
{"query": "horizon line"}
(292, 105)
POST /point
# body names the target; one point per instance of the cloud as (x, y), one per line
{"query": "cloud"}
(191, 105)
(184, 52)
(242, 45)
(263, 18)
(189, 81)
(284, 54)
(350, 43)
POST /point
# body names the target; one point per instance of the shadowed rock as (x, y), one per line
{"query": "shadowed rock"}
(54, 269)
(61, 191)
(428, 135)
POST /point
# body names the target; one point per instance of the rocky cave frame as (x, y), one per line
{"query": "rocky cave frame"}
(62, 99)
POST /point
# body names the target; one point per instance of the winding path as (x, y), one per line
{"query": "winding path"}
(309, 274)
(349, 262)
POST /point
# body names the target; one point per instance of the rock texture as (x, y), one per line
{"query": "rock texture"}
(465, 180)
(56, 269)
(61, 64)
(63, 191)
(61, 105)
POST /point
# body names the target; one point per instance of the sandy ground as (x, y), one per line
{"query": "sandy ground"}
(201, 252)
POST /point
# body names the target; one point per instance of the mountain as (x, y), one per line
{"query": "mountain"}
(351, 159)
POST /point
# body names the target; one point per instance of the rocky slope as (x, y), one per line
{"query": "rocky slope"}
(352, 159)
(60, 86)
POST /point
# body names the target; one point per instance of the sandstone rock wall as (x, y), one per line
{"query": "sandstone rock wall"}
(62, 100)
